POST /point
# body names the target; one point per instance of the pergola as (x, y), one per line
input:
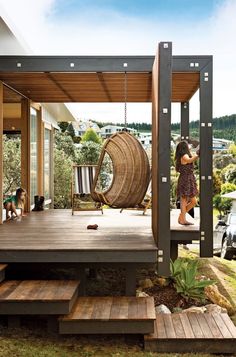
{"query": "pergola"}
(162, 79)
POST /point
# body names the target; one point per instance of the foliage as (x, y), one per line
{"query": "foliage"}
(223, 127)
(222, 204)
(232, 149)
(11, 164)
(64, 142)
(184, 275)
(216, 182)
(91, 135)
(89, 153)
(227, 187)
(228, 174)
(70, 130)
(63, 126)
(221, 161)
(62, 179)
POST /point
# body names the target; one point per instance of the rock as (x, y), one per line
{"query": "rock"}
(140, 293)
(177, 310)
(146, 283)
(162, 309)
(161, 281)
(197, 309)
(213, 294)
(215, 308)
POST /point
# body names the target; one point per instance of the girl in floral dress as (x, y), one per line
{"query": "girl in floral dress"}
(186, 186)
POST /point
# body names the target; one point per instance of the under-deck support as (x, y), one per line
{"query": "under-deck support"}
(1, 150)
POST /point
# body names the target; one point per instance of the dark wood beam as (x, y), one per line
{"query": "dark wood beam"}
(184, 121)
(206, 193)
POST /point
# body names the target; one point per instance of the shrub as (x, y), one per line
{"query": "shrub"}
(91, 135)
(184, 275)
(62, 179)
(228, 174)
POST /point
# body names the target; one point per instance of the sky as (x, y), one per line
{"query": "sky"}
(133, 27)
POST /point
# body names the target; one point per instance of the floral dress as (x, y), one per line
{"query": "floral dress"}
(186, 186)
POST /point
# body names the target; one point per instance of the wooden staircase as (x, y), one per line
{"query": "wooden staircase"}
(67, 313)
(110, 315)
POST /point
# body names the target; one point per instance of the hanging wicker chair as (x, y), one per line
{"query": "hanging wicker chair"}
(131, 172)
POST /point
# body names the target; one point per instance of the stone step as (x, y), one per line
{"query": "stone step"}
(37, 297)
(109, 315)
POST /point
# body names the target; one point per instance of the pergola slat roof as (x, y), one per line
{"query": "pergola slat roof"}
(94, 87)
(94, 79)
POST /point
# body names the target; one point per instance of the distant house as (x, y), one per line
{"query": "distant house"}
(81, 126)
(221, 144)
(145, 139)
(109, 130)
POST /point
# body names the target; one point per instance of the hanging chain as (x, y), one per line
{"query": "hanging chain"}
(125, 107)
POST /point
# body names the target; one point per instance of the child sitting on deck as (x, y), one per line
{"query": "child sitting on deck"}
(13, 202)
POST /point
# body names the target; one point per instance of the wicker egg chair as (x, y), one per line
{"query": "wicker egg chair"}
(131, 172)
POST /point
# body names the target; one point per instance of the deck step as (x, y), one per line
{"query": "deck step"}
(2, 271)
(185, 333)
(37, 297)
(109, 315)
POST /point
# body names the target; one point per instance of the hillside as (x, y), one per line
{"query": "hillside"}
(223, 127)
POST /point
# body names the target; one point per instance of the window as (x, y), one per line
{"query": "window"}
(33, 155)
(47, 164)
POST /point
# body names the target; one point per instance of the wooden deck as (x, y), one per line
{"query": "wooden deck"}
(108, 315)
(193, 332)
(57, 236)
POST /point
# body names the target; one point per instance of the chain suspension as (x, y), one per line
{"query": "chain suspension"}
(125, 99)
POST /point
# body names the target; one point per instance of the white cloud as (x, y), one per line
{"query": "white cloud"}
(97, 32)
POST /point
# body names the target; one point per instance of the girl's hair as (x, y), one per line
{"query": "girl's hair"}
(19, 191)
(181, 150)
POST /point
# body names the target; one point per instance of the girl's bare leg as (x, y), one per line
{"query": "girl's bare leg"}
(13, 209)
(192, 203)
(183, 205)
(7, 206)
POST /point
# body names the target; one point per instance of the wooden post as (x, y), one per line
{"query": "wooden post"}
(206, 194)
(40, 151)
(184, 121)
(25, 149)
(161, 137)
(1, 151)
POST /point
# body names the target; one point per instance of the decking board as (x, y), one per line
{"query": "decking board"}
(35, 297)
(109, 315)
(206, 333)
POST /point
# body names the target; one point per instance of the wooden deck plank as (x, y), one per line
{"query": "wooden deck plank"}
(229, 323)
(178, 327)
(204, 326)
(200, 333)
(186, 326)
(169, 327)
(222, 326)
(195, 325)
(213, 326)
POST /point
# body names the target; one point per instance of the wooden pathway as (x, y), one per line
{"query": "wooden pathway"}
(192, 332)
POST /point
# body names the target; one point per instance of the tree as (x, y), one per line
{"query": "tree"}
(62, 179)
(223, 205)
(89, 153)
(64, 142)
(63, 126)
(232, 150)
(11, 164)
(228, 174)
(91, 135)
(216, 182)
(70, 130)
